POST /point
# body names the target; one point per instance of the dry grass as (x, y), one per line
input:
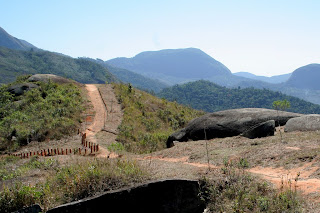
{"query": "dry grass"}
(64, 179)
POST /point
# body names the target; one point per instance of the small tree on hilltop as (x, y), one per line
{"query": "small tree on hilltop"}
(282, 106)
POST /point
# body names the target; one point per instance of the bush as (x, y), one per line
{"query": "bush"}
(50, 111)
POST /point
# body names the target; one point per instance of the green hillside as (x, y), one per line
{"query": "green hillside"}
(49, 111)
(207, 96)
(14, 63)
(147, 120)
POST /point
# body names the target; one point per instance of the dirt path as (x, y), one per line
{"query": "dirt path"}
(277, 175)
(99, 108)
(103, 129)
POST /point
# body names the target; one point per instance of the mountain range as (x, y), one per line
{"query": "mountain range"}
(273, 79)
(185, 65)
(151, 70)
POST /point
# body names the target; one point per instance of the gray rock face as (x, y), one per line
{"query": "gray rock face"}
(46, 77)
(303, 123)
(228, 123)
(19, 89)
(180, 196)
(261, 130)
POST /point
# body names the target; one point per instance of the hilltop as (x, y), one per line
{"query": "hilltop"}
(173, 66)
(305, 77)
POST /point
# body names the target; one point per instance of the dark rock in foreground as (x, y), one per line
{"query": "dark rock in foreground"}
(19, 89)
(180, 196)
(49, 77)
(228, 123)
(261, 130)
(303, 123)
(31, 209)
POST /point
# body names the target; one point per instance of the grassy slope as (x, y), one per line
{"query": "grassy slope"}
(148, 121)
(14, 63)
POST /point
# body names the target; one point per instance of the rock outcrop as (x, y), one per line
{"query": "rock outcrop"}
(228, 123)
(303, 123)
(180, 196)
(49, 77)
(260, 130)
(19, 89)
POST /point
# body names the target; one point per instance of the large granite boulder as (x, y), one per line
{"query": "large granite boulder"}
(260, 130)
(228, 123)
(303, 123)
(49, 77)
(166, 196)
(19, 89)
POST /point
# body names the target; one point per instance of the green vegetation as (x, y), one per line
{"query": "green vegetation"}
(14, 63)
(147, 120)
(10, 167)
(281, 105)
(49, 111)
(235, 190)
(204, 95)
(68, 183)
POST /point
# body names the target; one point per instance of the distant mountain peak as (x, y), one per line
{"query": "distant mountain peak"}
(173, 65)
(305, 77)
(8, 41)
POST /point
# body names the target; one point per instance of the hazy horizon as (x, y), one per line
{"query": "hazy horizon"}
(261, 37)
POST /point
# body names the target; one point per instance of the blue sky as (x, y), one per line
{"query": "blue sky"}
(264, 37)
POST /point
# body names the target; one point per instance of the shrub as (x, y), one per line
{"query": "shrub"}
(49, 111)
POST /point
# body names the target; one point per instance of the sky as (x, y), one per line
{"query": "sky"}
(263, 37)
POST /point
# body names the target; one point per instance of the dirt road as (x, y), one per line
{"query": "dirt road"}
(99, 108)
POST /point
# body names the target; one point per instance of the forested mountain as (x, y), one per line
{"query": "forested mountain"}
(17, 62)
(135, 79)
(174, 66)
(207, 96)
(306, 77)
(273, 79)
(6, 40)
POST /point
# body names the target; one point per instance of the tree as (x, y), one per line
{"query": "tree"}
(282, 106)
